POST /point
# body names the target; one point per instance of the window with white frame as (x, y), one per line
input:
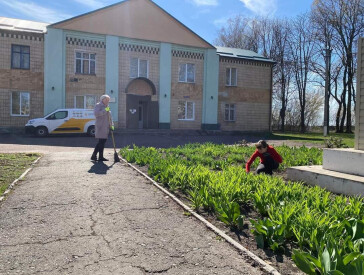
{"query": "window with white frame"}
(139, 68)
(229, 112)
(186, 73)
(231, 77)
(85, 101)
(186, 110)
(20, 104)
(85, 63)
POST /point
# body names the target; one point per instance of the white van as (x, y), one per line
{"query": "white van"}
(63, 121)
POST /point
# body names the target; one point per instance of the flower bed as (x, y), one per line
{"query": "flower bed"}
(327, 230)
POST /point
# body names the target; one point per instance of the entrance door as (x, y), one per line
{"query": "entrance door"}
(136, 111)
(140, 114)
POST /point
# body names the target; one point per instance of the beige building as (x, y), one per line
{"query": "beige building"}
(245, 90)
(158, 73)
(21, 71)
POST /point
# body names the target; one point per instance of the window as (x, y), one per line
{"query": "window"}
(85, 101)
(186, 73)
(138, 68)
(186, 110)
(58, 115)
(85, 63)
(20, 57)
(229, 112)
(20, 104)
(231, 77)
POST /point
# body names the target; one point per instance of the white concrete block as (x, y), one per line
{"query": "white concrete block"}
(335, 182)
(347, 161)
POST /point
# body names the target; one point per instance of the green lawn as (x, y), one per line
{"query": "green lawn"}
(348, 139)
(12, 166)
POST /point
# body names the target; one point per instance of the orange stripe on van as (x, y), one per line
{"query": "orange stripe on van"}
(73, 123)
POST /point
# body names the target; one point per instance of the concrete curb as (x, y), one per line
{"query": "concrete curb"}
(15, 182)
(266, 267)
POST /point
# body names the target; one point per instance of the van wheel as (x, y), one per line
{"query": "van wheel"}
(41, 131)
(91, 131)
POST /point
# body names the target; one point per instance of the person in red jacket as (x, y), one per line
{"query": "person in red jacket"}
(269, 158)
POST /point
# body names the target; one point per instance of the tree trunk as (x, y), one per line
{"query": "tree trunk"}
(338, 114)
(302, 124)
(283, 117)
(343, 117)
(282, 112)
(343, 99)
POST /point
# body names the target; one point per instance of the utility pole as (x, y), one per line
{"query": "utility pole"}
(327, 88)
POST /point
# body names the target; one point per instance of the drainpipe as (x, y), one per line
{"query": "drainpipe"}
(271, 97)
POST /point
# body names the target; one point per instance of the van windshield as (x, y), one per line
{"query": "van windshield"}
(58, 115)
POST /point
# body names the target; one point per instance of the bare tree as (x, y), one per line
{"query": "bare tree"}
(264, 28)
(336, 73)
(293, 118)
(301, 45)
(324, 39)
(347, 19)
(315, 102)
(240, 33)
(283, 69)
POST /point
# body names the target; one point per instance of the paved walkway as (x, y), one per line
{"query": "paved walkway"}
(71, 216)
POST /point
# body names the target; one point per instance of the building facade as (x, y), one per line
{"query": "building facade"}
(21, 71)
(157, 72)
(359, 112)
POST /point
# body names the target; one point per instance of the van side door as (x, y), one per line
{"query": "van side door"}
(57, 121)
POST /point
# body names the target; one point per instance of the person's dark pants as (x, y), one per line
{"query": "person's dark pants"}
(99, 148)
(268, 165)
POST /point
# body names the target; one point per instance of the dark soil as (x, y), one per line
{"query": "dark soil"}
(281, 261)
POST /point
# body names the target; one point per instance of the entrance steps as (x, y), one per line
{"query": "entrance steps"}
(349, 161)
(336, 182)
(342, 172)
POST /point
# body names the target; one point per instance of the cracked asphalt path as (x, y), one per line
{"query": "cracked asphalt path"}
(72, 216)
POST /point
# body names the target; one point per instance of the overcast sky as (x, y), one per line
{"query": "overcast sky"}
(204, 17)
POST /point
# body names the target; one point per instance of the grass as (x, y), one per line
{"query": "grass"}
(348, 139)
(12, 166)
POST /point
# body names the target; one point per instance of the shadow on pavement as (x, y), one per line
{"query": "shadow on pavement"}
(99, 168)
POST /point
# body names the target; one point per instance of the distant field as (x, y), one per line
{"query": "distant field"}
(348, 139)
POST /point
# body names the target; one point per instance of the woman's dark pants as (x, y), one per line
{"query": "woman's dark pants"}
(268, 165)
(99, 148)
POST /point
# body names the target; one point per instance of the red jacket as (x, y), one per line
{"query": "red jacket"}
(256, 154)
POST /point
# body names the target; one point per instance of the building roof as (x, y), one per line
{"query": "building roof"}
(22, 25)
(240, 53)
(137, 19)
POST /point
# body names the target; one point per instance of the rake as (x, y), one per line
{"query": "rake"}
(116, 156)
